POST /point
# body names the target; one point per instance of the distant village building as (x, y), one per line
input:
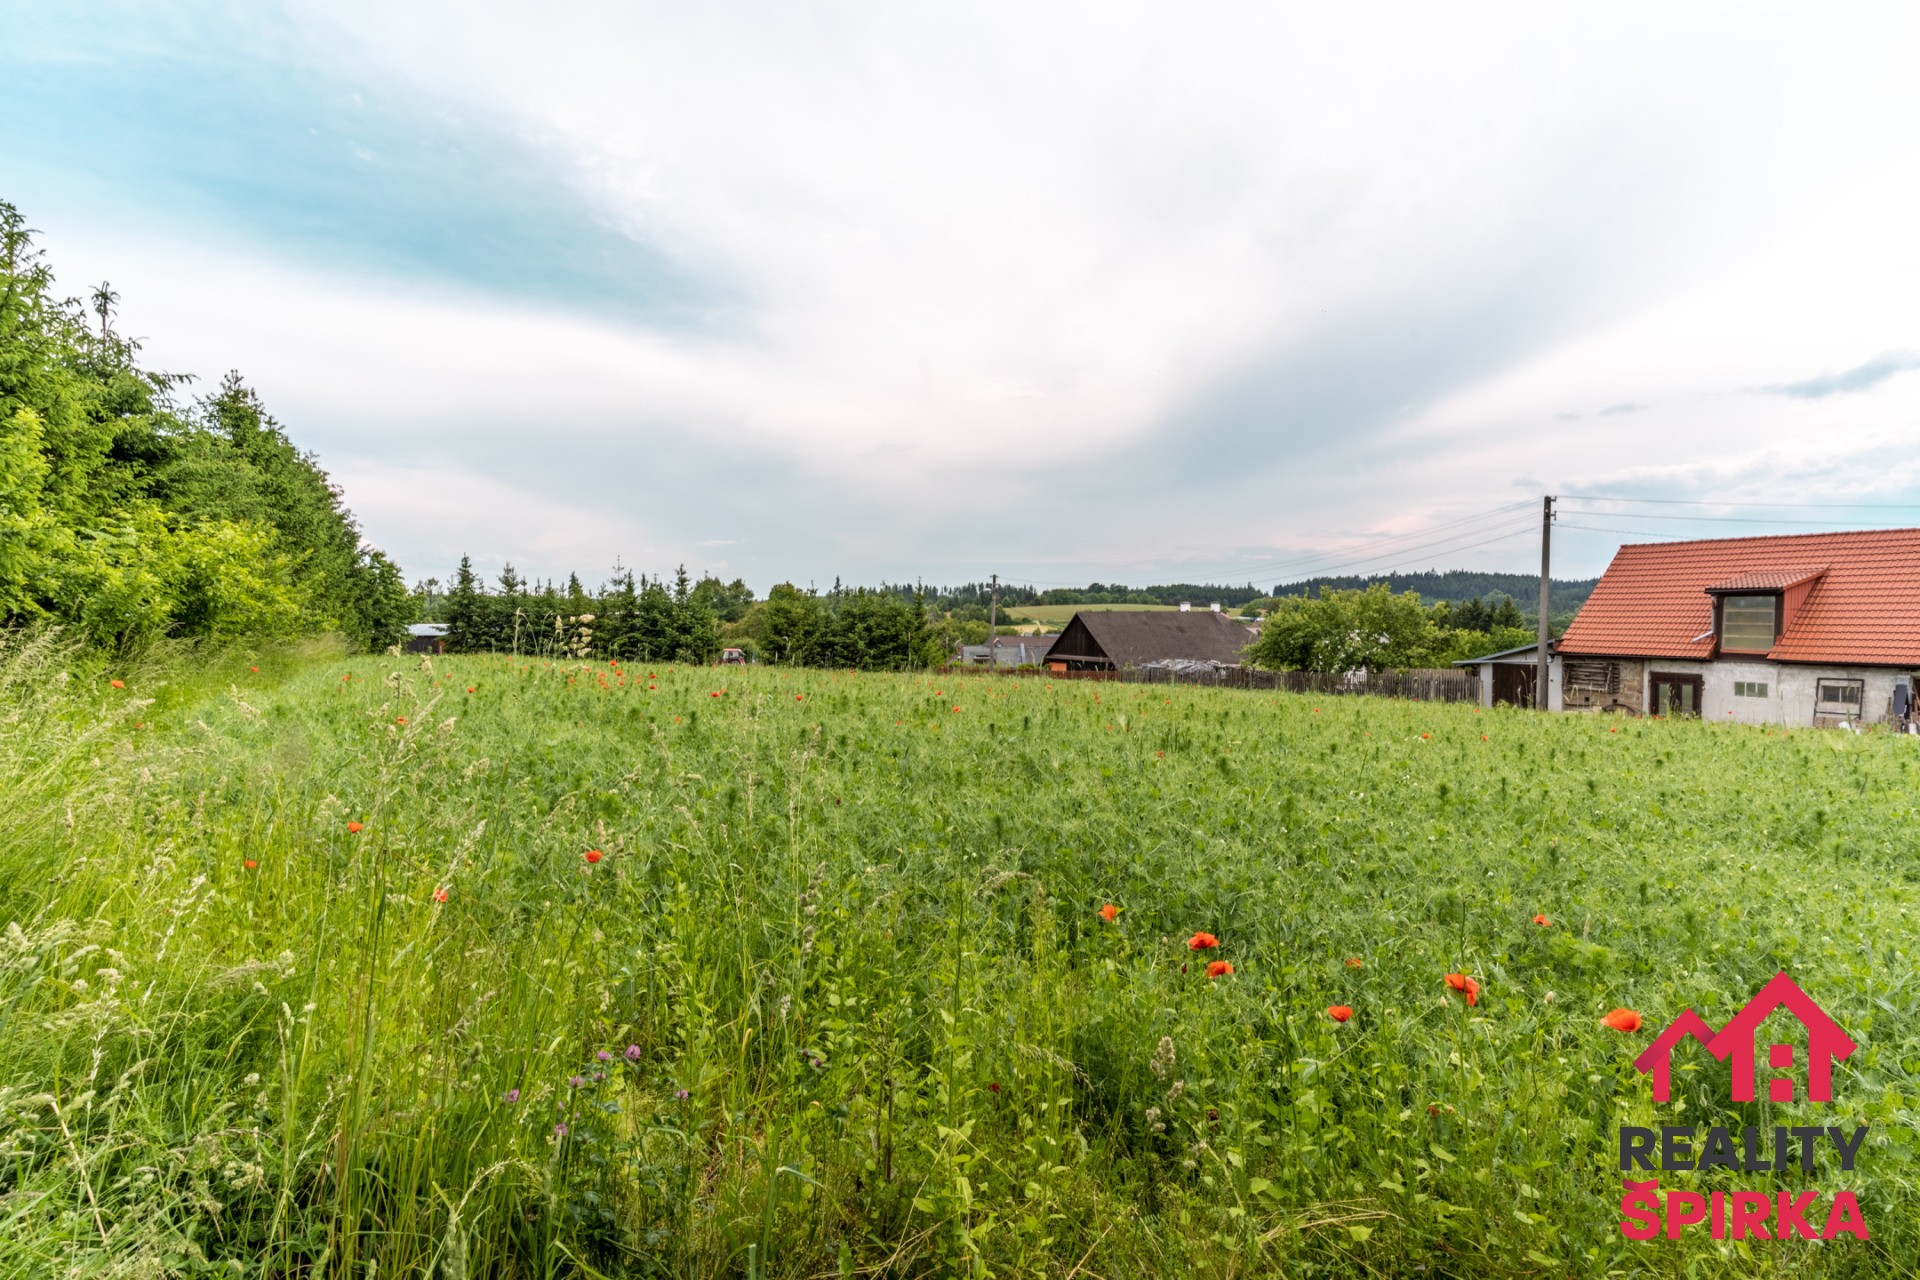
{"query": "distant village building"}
(1112, 639)
(426, 637)
(1009, 651)
(1511, 678)
(1802, 629)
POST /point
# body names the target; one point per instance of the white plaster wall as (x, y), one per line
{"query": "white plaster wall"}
(1790, 691)
(1679, 668)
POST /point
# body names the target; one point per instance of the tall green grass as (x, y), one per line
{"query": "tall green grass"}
(836, 998)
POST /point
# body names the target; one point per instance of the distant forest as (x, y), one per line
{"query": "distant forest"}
(1457, 586)
(981, 593)
(1452, 586)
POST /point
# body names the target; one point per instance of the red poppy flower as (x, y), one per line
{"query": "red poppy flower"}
(993, 1086)
(440, 894)
(354, 827)
(1160, 754)
(956, 708)
(594, 855)
(1354, 962)
(1425, 736)
(347, 676)
(714, 694)
(1219, 969)
(249, 864)
(399, 719)
(1462, 983)
(798, 697)
(1483, 737)
(1543, 922)
(1201, 941)
(469, 689)
(118, 684)
(1339, 1012)
(1622, 1020)
(1108, 912)
(1613, 731)
(255, 670)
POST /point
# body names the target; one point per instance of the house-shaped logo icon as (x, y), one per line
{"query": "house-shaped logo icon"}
(1826, 1045)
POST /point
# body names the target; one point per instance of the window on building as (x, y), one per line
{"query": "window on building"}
(1749, 688)
(1593, 677)
(1837, 698)
(1746, 622)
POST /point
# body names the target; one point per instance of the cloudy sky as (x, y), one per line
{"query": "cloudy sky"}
(1063, 291)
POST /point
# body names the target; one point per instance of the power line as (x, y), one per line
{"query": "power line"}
(1326, 570)
(1651, 515)
(1707, 502)
(1296, 564)
(1378, 549)
(1634, 533)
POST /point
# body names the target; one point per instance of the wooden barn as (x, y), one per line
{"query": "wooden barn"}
(1112, 639)
(426, 637)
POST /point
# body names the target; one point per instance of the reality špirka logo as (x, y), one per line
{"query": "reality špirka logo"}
(1741, 1215)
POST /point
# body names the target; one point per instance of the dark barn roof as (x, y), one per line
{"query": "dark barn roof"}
(1131, 637)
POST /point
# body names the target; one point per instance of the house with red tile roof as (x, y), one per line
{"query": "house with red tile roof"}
(1802, 629)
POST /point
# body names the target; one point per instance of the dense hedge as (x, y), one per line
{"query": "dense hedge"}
(128, 513)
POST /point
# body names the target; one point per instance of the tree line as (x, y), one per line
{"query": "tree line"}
(641, 619)
(130, 512)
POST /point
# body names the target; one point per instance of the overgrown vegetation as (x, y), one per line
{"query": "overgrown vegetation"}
(1375, 629)
(130, 515)
(481, 967)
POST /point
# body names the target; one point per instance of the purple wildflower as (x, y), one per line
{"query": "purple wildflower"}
(576, 1081)
(603, 1055)
(560, 1131)
(633, 1053)
(513, 1095)
(598, 1076)
(679, 1095)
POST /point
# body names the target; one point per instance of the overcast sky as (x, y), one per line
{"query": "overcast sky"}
(1067, 292)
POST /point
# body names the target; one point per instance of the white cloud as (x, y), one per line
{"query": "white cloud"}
(1084, 290)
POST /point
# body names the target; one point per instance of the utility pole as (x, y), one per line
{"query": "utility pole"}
(1541, 697)
(993, 621)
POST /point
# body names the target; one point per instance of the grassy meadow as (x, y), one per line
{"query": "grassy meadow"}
(475, 967)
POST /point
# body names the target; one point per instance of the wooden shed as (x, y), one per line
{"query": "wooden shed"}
(426, 637)
(1110, 639)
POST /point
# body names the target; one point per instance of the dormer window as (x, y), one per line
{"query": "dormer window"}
(1747, 622)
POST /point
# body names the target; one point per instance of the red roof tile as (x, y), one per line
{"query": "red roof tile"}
(1767, 580)
(1864, 609)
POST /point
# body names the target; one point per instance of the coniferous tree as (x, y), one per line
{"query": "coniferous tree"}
(129, 517)
(466, 627)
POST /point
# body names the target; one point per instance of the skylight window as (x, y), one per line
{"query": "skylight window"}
(1747, 622)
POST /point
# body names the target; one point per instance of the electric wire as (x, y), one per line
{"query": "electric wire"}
(1709, 502)
(1290, 564)
(1649, 515)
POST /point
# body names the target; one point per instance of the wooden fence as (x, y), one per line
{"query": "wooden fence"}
(1444, 684)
